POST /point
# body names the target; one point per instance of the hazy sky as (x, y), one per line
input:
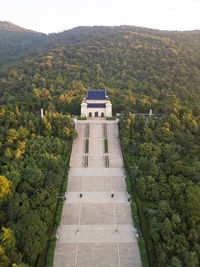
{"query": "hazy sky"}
(58, 15)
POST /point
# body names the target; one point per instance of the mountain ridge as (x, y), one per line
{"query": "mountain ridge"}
(9, 26)
(130, 59)
(17, 43)
(126, 60)
(141, 69)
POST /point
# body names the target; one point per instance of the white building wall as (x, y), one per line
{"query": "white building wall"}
(99, 110)
(85, 110)
(109, 109)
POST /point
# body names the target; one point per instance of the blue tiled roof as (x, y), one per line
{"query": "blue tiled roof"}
(96, 105)
(96, 94)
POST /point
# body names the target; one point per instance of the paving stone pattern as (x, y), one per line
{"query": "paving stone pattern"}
(96, 229)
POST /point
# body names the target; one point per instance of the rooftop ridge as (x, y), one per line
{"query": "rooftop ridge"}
(96, 94)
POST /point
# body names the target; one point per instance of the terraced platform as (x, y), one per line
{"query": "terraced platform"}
(96, 228)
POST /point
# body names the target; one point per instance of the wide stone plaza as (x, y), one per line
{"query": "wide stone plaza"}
(96, 227)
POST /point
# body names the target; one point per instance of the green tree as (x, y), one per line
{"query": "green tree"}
(5, 188)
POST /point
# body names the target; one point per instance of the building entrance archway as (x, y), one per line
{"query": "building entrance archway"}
(96, 114)
(102, 114)
(90, 114)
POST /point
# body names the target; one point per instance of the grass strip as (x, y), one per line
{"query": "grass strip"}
(136, 220)
(106, 145)
(81, 118)
(85, 161)
(49, 257)
(111, 118)
(105, 130)
(87, 134)
(57, 219)
(86, 145)
(147, 251)
(107, 161)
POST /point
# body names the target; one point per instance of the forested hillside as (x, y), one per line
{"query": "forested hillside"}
(34, 155)
(16, 42)
(132, 63)
(140, 69)
(163, 159)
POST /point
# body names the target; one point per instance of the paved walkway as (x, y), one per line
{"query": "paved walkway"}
(96, 229)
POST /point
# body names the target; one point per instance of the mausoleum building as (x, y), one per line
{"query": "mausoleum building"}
(96, 104)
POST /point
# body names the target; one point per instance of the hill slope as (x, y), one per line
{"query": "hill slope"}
(126, 60)
(141, 69)
(17, 42)
(9, 26)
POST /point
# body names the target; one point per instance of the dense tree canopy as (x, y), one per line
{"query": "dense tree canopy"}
(33, 163)
(140, 69)
(166, 153)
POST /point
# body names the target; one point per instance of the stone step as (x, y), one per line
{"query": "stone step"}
(97, 233)
(97, 255)
(97, 197)
(98, 161)
(96, 213)
(96, 172)
(96, 229)
(96, 184)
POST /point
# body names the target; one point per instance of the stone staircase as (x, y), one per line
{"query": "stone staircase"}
(96, 226)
